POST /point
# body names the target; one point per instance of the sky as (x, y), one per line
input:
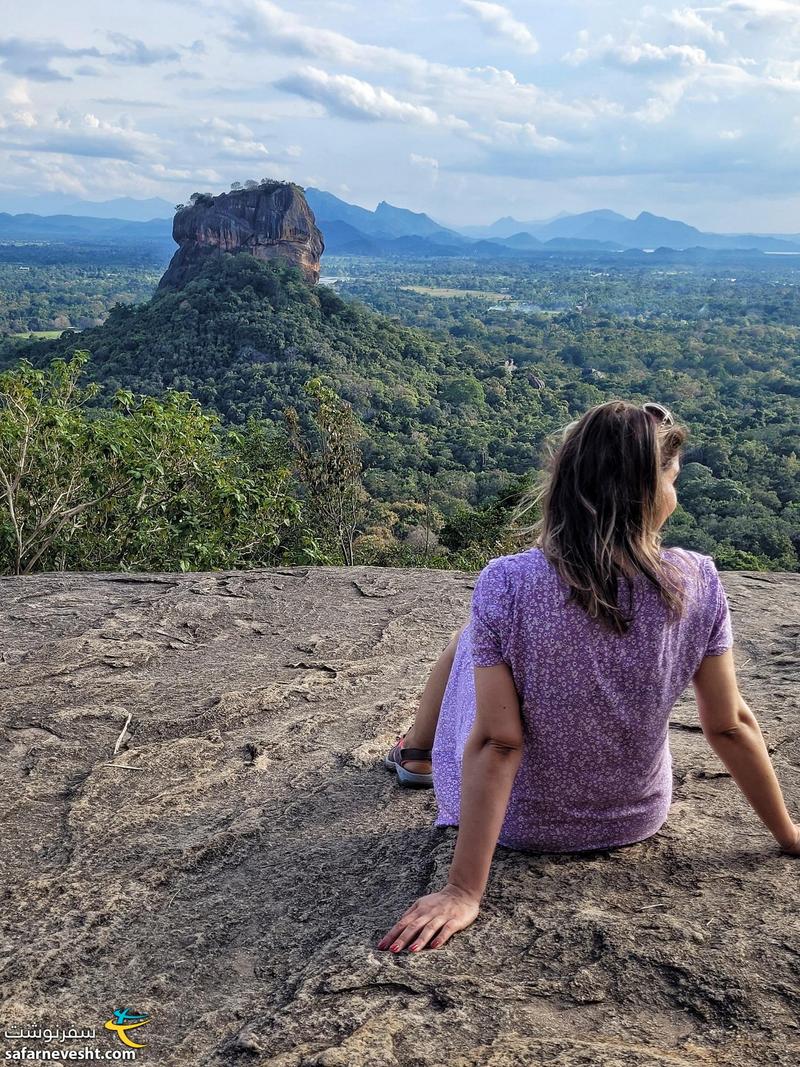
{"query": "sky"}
(467, 109)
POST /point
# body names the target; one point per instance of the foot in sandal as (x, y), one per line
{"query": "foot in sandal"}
(414, 766)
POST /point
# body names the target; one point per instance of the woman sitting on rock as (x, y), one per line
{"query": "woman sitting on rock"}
(557, 741)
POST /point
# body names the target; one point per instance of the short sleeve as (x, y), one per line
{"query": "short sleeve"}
(720, 637)
(489, 619)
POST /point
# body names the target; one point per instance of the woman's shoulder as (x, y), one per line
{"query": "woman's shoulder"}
(518, 571)
(533, 560)
(697, 565)
(515, 563)
(678, 552)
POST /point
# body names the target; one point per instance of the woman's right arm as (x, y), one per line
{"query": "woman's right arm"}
(733, 733)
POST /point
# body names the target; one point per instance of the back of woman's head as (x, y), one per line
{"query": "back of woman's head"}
(601, 499)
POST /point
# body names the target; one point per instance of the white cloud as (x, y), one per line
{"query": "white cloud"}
(238, 141)
(639, 54)
(690, 21)
(763, 14)
(70, 133)
(663, 104)
(132, 52)
(501, 23)
(18, 94)
(34, 58)
(231, 140)
(783, 75)
(424, 161)
(353, 98)
(520, 136)
(261, 25)
(699, 95)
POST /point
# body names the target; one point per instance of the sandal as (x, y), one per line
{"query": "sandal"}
(399, 755)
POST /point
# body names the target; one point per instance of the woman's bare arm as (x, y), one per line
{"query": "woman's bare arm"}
(733, 732)
(491, 759)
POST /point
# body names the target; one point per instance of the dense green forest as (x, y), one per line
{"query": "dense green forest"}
(456, 393)
(741, 288)
(43, 288)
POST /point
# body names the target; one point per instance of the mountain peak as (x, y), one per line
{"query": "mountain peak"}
(387, 210)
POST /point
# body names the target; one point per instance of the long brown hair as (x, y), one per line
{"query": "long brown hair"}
(600, 494)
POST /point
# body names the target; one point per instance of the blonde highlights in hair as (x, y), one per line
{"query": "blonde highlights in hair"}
(600, 504)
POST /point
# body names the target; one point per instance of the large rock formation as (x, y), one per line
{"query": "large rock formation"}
(228, 861)
(271, 221)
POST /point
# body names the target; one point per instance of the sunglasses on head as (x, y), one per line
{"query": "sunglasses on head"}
(663, 415)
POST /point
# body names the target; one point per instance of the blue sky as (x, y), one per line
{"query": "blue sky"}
(466, 109)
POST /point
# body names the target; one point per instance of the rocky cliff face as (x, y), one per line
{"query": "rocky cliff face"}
(272, 221)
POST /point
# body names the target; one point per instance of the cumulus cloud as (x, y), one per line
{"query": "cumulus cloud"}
(478, 96)
(639, 54)
(77, 135)
(703, 83)
(33, 59)
(760, 15)
(231, 140)
(423, 161)
(519, 136)
(691, 22)
(344, 95)
(702, 93)
(18, 94)
(638, 157)
(662, 105)
(132, 52)
(500, 22)
(783, 75)
(262, 25)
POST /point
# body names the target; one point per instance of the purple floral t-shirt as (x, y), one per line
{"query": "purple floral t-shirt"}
(596, 770)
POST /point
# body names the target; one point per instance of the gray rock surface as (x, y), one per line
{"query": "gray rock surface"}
(232, 868)
(272, 221)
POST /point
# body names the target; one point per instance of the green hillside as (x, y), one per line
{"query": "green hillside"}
(449, 422)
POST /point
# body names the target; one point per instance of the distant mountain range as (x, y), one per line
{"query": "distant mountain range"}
(645, 231)
(352, 229)
(121, 207)
(76, 228)
(389, 230)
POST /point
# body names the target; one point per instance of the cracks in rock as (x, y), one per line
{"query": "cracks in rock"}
(376, 592)
(313, 667)
(36, 725)
(129, 579)
(368, 987)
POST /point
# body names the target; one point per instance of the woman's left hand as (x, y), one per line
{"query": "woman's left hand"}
(434, 917)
